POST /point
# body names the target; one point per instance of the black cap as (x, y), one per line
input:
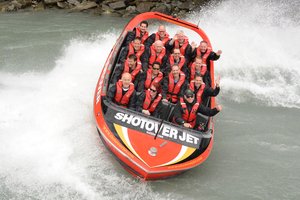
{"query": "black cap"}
(188, 92)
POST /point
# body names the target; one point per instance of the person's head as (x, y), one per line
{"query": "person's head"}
(126, 79)
(175, 70)
(180, 36)
(143, 26)
(176, 53)
(158, 45)
(198, 63)
(155, 68)
(132, 59)
(198, 80)
(203, 46)
(137, 43)
(189, 95)
(161, 31)
(154, 89)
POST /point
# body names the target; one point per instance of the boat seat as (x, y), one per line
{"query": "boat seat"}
(138, 94)
(120, 53)
(167, 111)
(202, 122)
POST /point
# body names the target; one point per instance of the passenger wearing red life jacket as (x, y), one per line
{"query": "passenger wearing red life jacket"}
(173, 85)
(157, 54)
(132, 66)
(123, 92)
(137, 48)
(202, 91)
(176, 58)
(181, 41)
(161, 35)
(149, 102)
(152, 76)
(185, 112)
(205, 53)
(199, 68)
(140, 31)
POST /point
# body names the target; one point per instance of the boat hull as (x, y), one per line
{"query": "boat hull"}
(120, 136)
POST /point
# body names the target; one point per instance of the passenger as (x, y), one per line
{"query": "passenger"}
(132, 66)
(203, 91)
(176, 58)
(123, 93)
(161, 35)
(140, 32)
(137, 48)
(185, 112)
(158, 54)
(198, 67)
(152, 76)
(173, 85)
(149, 102)
(182, 42)
(205, 53)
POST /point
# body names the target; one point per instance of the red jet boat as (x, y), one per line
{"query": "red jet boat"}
(148, 147)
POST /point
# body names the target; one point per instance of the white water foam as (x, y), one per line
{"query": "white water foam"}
(260, 42)
(49, 144)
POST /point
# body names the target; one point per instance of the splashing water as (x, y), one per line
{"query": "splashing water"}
(49, 144)
(260, 42)
(46, 144)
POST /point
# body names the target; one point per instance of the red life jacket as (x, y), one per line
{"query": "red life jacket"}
(123, 99)
(148, 105)
(135, 71)
(206, 54)
(138, 34)
(149, 80)
(153, 56)
(200, 91)
(193, 70)
(173, 89)
(189, 117)
(138, 53)
(181, 62)
(183, 47)
(165, 40)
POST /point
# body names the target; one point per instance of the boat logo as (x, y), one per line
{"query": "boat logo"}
(151, 127)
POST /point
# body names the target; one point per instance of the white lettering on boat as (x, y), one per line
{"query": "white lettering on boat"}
(188, 138)
(152, 127)
(136, 121)
(169, 132)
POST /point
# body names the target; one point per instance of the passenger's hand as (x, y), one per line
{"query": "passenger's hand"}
(175, 37)
(146, 112)
(187, 125)
(194, 45)
(219, 107)
(219, 52)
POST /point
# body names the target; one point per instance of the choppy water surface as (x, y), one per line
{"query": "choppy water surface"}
(49, 147)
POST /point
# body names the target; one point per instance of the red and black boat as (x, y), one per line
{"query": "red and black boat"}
(149, 147)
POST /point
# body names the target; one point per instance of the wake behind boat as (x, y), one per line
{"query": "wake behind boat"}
(149, 147)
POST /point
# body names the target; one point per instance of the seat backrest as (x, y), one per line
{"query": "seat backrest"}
(167, 111)
(202, 120)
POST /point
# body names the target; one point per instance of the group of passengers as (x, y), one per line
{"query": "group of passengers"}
(156, 68)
